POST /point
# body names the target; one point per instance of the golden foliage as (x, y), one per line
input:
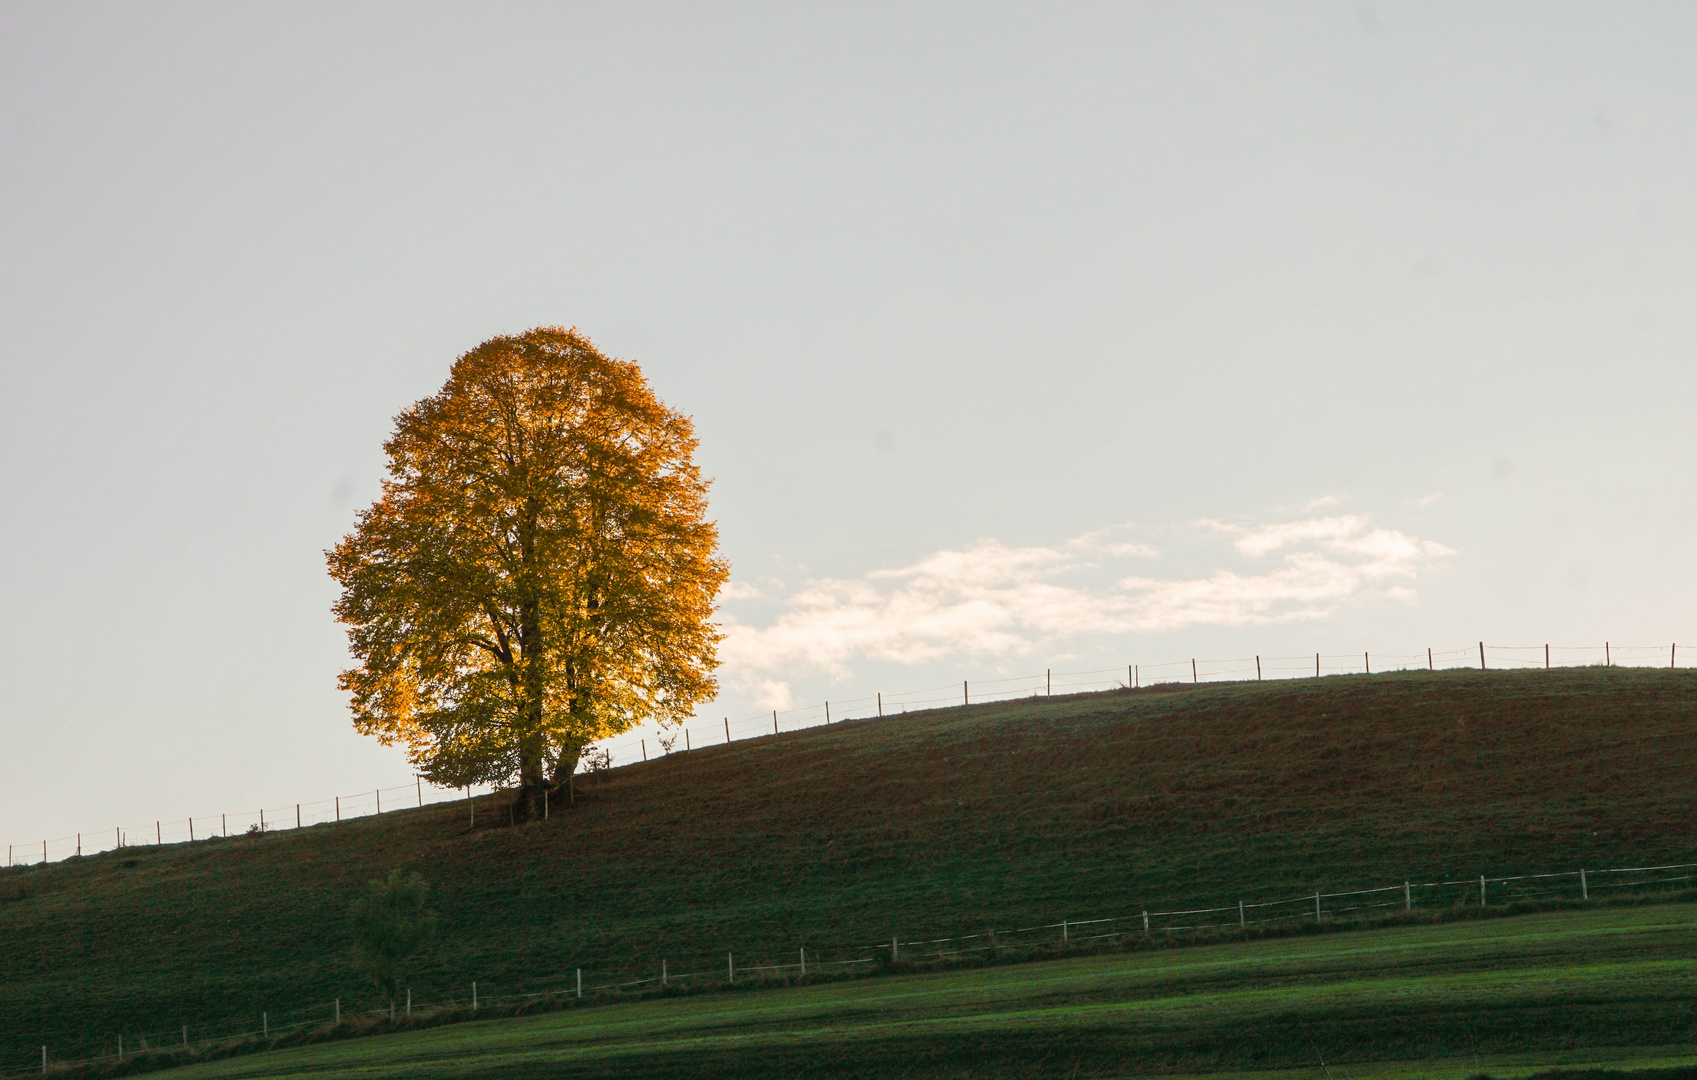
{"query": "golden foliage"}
(539, 572)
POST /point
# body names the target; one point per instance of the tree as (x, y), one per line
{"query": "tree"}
(539, 572)
(390, 925)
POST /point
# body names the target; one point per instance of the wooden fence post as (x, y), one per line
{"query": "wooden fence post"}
(965, 698)
(1481, 656)
(774, 721)
(1048, 682)
(1257, 668)
(580, 984)
(1193, 676)
(827, 713)
(1316, 665)
(727, 731)
(1584, 890)
(1407, 897)
(1481, 890)
(880, 703)
(1367, 663)
(1430, 666)
(730, 967)
(1241, 924)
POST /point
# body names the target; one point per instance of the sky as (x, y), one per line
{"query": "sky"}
(1018, 338)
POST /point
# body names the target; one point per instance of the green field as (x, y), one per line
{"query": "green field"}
(927, 825)
(1614, 987)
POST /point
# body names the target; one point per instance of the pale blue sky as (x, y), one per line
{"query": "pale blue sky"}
(1081, 293)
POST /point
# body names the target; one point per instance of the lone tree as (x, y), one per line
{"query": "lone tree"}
(390, 925)
(539, 572)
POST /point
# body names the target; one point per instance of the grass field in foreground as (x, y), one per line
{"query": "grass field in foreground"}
(927, 825)
(1614, 987)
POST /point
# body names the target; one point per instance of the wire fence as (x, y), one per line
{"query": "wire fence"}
(627, 749)
(590, 982)
(630, 749)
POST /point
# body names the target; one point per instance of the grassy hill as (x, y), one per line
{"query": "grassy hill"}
(926, 825)
(1575, 988)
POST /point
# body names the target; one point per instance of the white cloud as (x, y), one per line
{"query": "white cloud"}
(992, 600)
(740, 590)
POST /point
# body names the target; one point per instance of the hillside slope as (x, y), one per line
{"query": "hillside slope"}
(926, 824)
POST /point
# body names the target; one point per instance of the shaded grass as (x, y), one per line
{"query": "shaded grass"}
(1458, 997)
(930, 824)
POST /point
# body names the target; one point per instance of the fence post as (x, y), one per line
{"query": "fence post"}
(1316, 906)
(1316, 665)
(1606, 661)
(644, 743)
(1065, 937)
(1240, 920)
(1430, 666)
(827, 712)
(44, 1060)
(44, 853)
(1048, 682)
(79, 845)
(880, 703)
(379, 794)
(409, 1001)
(1136, 677)
(338, 1010)
(804, 961)
(120, 1046)
(297, 815)
(1193, 677)
(965, 698)
(1546, 656)
(580, 984)
(1481, 890)
(1481, 656)
(418, 782)
(265, 1023)
(895, 949)
(1146, 924)
(185, 1036)
(1584, 889)
(662, 973)
(774, 721)
(1367, 663)
(727, 731)
(474, 997)
(1257, 668)
(730, 967)
(223, 827)
(686, 740)
(1407, 897)
(158, 834)
(1673, 653)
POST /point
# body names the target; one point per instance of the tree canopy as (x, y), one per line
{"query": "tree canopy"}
(539, 572)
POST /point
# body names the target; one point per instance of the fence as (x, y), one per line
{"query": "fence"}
(633, 748)
(1408, 896)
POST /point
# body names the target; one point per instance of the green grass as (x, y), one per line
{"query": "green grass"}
(1613, 987)
(927, 825)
